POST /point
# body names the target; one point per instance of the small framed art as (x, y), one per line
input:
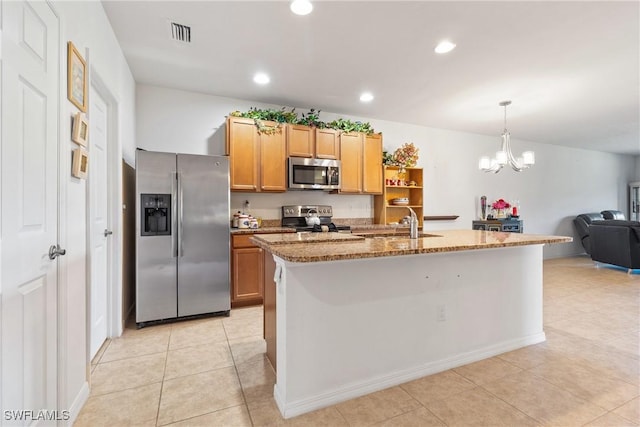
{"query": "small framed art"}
(80, 163)
(80, 132)
(76, 78)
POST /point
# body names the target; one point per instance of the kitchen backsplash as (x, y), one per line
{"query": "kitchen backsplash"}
(268, 205)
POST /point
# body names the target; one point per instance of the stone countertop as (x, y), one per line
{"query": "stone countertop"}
(262, 230)
(313, 250)
(373, 228)
(309, 237)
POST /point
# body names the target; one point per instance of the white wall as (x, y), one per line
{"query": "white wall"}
(86, 25)
(637, 168)
(563, 183)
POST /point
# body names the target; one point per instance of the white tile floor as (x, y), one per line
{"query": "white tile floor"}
(212, 372)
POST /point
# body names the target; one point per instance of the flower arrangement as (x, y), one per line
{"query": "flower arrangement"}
(406, 156)
(501, 204)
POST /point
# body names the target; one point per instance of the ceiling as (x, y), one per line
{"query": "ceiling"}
(572, 69)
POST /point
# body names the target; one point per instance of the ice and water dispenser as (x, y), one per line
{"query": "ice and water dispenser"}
(155, 214)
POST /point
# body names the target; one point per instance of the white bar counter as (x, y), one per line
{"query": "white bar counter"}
(349, 316)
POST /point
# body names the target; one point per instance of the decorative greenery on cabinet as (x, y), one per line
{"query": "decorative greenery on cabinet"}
(349, 126)
(312, 119)
(259, 116)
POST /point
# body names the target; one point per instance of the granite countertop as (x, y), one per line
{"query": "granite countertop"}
(309, 237)
(375, 228)
(315, 249)
(262, 230)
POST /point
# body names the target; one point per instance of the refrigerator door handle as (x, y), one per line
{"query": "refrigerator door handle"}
(174, 208)
(180, 216)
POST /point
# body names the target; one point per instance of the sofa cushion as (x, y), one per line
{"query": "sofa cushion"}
(634, 225)
(611, 214)
(590, 217)
(616, 242)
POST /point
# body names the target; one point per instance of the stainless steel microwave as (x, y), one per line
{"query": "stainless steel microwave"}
(314, 174)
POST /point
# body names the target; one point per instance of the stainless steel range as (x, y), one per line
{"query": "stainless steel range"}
(313, 218)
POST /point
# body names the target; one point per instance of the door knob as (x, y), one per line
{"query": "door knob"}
(55, 251)
(107, 232)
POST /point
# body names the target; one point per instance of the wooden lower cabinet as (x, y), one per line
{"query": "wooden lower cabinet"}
(247, 272)
(269, 319)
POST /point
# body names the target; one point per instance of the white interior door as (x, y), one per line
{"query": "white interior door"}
(29, 216)
(100, 231)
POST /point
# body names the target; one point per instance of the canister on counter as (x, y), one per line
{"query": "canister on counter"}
(243, 221)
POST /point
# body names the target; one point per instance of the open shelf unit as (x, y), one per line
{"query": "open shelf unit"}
(384, 212)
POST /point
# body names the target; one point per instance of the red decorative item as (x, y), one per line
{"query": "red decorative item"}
(501, 204)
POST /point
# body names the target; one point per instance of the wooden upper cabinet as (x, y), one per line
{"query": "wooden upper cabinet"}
(273, 162)
(351, 166)
(327, 144)
(242, 146)
(300, 141)
(372, 164)
(311, 142)
(257, 162)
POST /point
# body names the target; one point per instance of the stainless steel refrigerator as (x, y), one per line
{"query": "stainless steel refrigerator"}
(182, 235)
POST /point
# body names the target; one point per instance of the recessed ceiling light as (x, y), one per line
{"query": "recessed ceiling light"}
(301, 7)
(445, 46)
(261, 78)
(366, 97)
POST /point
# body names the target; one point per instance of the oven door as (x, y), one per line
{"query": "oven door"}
(314, 174)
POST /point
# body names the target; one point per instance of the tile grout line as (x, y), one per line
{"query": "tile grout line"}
(164, 372)
(542, 423)
(235, 368)
(620, 406)
(552, 384)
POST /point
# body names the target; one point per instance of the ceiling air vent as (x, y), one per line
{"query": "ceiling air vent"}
(181, 33)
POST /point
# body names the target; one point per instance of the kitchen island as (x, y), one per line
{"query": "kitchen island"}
(347, 315)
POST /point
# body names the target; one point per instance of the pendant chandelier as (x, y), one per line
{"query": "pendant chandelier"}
(505, 156)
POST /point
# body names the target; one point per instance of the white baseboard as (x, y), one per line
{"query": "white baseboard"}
(78, 403)
(361, 388)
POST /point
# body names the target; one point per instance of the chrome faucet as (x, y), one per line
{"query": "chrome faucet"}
(413, 225)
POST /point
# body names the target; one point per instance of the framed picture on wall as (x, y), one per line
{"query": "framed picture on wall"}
(76, 78)
(80, 163)
(80, 132)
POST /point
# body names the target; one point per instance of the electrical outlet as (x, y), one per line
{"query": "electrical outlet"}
(442, 313)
